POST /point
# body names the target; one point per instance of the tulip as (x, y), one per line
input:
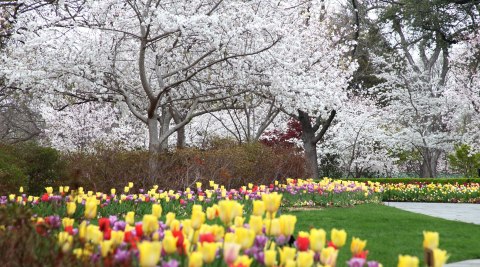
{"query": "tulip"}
(105, 247)
(238, 221)
(256, 224)
(21, 189)
(339, 237)
(407, 261)
(243, 261)
(287, 224)
(209, 251)
(130, 218)
(272, 227)
(126, 189)
(196, 208)
(211, 213)
(91, 208)
(287, 254)
(198, 218)
(230, 252)
(82, 230)
(328, 256)
(169, 243)
(305, 259)
(117, 237)
(245, 237)
(67, 222)
(291, 263)
(157, 210)
(93, 234)
(71, 207)
(170, 218)
(317, 239)
(65, 240)
(303, 241)
(130, 184)
(149, 253)
(149, 224)
(228, 210)
(270, 258)
(195, 259)
(49, 190)
(113, 191)
(258, 208)
(272, 202)
(440, 257)
(357, 245)
(430, 240)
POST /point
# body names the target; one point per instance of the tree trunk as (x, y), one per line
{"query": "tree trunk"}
(153, 149)
(428, 167)
(309, 145)
(165, 120)
(181, 138)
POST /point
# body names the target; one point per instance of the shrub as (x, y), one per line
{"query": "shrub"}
(11, 173)
(464, 161)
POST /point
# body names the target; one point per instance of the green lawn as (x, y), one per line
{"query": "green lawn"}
(390, 231)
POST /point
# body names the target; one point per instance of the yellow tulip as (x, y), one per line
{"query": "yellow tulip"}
(244, 237)
(113, 191)
(198, 218)
(211, 213)
(287, 224)
(82, 230)
(228, 210)
(149, 253)
(430, 240)
(49, 190)
(67, 222)
(195, 259)
(130, 184)
(196, 208)
(21, 189)
(65, 240)
(71, 207)
(339, 237)
(440, 257)
(270, 258)
(328, 256)
(175, 225)
(91, 208)
(208, 251)
(170, 218)
(291, 263)
(117, 237)
(238, 221)
(126, 189)
(272, 202)
(317, 239)
(93, 234)
(287, 254)
(243, 261)
(130, 218)
(256, 224)
(407, 261)
(357, 245)
(149, 224)
(258, 207)
(169, 243)
(157, 210)
(305, 258)
(105, 247)
(272, 227)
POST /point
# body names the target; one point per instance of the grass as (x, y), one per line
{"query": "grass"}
(390, 232)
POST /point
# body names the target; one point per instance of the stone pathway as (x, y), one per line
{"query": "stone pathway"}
(469, 213)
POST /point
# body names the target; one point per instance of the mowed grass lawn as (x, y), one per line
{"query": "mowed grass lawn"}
(390, 232)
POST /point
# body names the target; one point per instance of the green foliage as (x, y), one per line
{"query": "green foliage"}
(330, 166)
(418, 180)
(11, 174)
(29, 165)
(464, 161)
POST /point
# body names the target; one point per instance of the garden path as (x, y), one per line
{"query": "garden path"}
(469, 213)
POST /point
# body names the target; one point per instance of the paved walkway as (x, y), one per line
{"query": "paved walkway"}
(469, 213)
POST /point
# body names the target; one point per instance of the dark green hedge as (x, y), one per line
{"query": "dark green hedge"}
(418, 180)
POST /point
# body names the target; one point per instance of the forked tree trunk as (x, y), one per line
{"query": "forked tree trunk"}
(310, 139)
(428, 167)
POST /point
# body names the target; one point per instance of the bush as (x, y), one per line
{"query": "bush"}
(29, 165)
(11, 174)
(224, 161)
(464, 161)
(419, 180)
